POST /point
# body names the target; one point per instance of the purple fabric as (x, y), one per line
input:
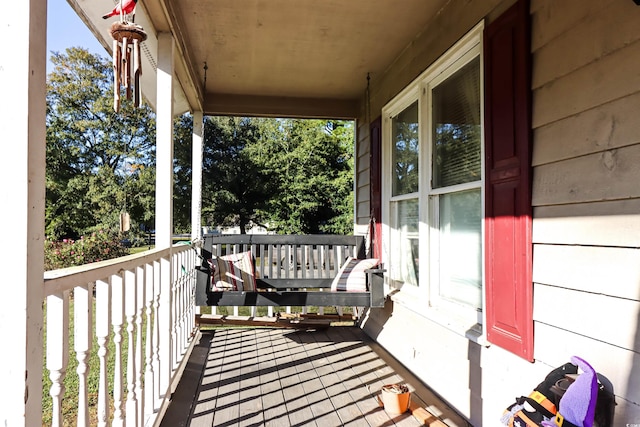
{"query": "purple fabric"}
(578, 405)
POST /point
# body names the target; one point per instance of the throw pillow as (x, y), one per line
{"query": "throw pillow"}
(233, 273)
(352, 277)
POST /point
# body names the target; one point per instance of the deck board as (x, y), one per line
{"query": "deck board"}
(279, 377)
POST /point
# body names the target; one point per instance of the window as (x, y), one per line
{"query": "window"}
(404, 195)
(456, 181)
(461, 237)
(432, 134)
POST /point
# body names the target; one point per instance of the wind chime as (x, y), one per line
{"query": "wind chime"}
(127, 61)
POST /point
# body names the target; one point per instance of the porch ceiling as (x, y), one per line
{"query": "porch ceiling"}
(274, 57)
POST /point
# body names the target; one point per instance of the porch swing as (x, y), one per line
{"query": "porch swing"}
(288, 270)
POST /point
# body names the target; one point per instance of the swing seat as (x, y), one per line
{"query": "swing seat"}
(293, 270)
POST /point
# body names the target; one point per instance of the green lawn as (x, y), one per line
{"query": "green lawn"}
(139, 249)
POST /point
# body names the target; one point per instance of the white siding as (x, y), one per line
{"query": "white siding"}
(586, 197)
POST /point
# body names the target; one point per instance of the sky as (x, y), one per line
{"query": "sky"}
(65, 29)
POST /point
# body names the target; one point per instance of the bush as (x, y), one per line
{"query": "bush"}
(99, 246)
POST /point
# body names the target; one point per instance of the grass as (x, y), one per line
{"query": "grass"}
(139, 249)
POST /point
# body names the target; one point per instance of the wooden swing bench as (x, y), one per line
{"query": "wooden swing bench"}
(290, 270)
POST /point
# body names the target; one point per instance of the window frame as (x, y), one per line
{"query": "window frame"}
(424, 299)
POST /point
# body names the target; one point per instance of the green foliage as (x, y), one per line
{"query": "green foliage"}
(405, 151)
(311, 164)
(183, 140)
(99, 162)
(237, 188)
(97, 246)
(296, 176)
(293, 176)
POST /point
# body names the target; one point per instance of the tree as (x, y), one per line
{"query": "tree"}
(291, 176)
(311, 165)
(236, 189)
(98, 162)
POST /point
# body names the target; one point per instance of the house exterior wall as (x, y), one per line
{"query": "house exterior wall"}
(586, 200)
(586, 228)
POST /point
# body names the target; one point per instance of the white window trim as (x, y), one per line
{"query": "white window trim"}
(462, 320)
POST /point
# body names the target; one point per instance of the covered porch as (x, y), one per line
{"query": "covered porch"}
(300, 67)
(555, 96)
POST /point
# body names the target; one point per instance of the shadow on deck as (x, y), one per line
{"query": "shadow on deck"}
(282, 377)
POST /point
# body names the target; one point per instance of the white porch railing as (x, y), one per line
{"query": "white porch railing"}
(146, 300)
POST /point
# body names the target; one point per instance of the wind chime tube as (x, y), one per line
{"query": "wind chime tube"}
(137, 71)
(116, 76)
(125, 66)
(128, 71)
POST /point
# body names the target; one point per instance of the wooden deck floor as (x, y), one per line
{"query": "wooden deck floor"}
(283, 377)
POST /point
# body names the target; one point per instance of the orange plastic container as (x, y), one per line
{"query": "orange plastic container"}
(395, 399)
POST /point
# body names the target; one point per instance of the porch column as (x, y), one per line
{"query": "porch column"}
(196, 176)
(23, 27)
(164, 142)
(164, 201)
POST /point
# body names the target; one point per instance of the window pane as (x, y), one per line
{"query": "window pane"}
(461, 247)
(405, 151)
(456, 128)
(404, 247)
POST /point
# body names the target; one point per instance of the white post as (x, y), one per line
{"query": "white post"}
(23, 27)
(196, 175)
(164, 142)
(164, 201)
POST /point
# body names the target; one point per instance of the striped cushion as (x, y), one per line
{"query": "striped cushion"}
(233, 273)
(352, 276)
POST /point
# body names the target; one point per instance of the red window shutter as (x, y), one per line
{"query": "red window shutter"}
(375, 179)
(508, 245)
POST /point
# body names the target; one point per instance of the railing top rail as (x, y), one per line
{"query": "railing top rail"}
(57, 281)
(284, 239)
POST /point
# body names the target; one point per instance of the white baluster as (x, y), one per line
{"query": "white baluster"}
(165, 326)
(149, 380)
(103, 323)
(191, 316)
(177, 308)
(178, 277)
(175, 315)
(131, 417)
(57, 350)
(184, 296)
(156, 332)
(140, 295)
(83, 339)
(131, 408)
(173, 319)
(117, 313)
